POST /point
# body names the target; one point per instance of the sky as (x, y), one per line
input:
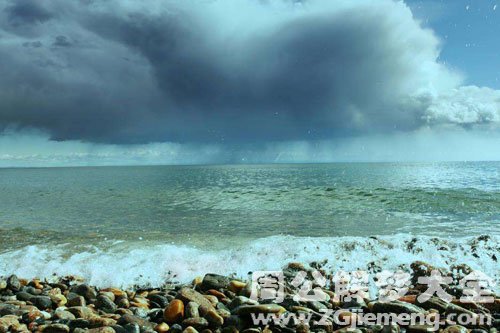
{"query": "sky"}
(109, 82)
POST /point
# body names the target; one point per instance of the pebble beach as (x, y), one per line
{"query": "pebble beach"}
(219, 303)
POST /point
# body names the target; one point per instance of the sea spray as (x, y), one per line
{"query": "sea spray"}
(124, 264)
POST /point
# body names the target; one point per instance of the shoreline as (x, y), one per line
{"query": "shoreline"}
(146, 263)
(218, 303)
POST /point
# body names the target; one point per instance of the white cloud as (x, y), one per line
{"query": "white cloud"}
(465, 105)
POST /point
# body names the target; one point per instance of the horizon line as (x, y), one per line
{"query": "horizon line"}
(243, 164)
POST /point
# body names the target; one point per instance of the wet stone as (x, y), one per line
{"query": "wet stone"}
(130, 319)
(59, 300)
(56, 328)
(160, 300)
(79, 323)
(214, 318)
(190, 295)
(100, 322)
(175, 328)
(190, 329)
(122, 302)
(215, 281)
(105, 304)
(455, 329)
(162, 328)
(241, 300)
(108, 294)
(42, 302)
(84, 290)
(174, 312)
(81, 312)
(118, 329)
(24, 296)
(63, 314)
(13, 283)
(76, 300)
(8, 321)
(140, 312)
(261, 308)
(101, 330)
(212, 299)
(132, 328)
(237, 286)
(198, 323)
(32, 290)
(192, 310)
(478, 330)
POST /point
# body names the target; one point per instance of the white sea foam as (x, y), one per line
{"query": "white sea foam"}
(126, 264)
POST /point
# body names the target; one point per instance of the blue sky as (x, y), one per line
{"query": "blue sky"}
(470, 35)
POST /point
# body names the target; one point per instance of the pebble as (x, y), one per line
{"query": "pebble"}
(59, 300)
(77, 300)
(115, 291)
(455, 329)
(130, 319)
(101, 330)
(122, 302)
(198, 323)
(64, 315)
(13, 283)
(56, 328)
(216, 293)
(160, 300)
(212, 299)
(190, 329)
(261, 308)
(237, 286)
(174, 312)
(190, 295)
(7, 321)
(88, 292)
(215, 281)
(215, 319)
(42, 302)
(192, 310)
(100, 321)
(81, 312)
(105, 304)
(162, 328)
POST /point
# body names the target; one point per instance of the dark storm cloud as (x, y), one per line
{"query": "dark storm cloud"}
(61, 41)
(20, 12)
(243, 70)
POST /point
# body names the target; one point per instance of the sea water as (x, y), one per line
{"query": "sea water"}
(142, 225)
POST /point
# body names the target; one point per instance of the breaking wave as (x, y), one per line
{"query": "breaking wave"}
(124, 264)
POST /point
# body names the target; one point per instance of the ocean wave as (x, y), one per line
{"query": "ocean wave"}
(125, 264)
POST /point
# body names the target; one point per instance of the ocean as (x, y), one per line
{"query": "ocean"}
(122, 226)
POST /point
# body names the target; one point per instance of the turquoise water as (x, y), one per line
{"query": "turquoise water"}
(200, 204)
(126, 225)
